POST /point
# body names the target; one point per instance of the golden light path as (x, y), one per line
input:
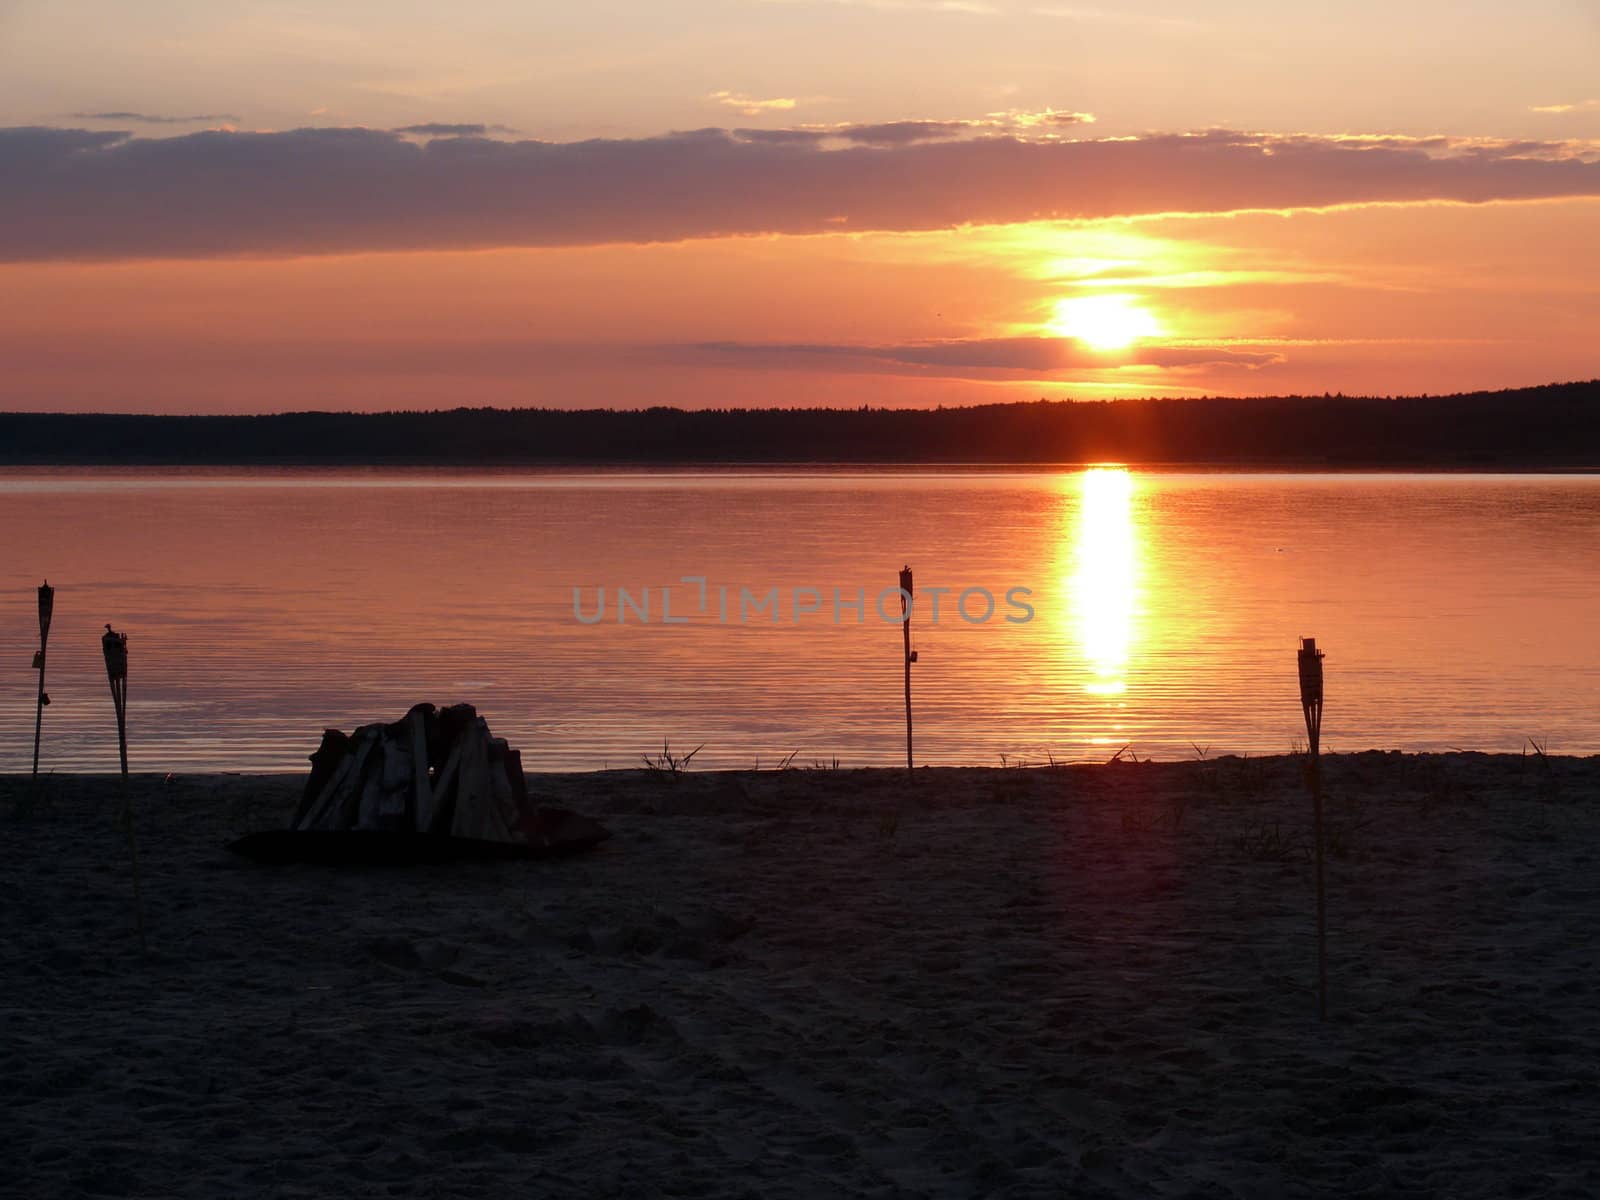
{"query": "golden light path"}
(1104, 585)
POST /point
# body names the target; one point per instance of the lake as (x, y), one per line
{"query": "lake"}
(1155, 611)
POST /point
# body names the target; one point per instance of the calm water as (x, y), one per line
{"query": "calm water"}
(262, 606)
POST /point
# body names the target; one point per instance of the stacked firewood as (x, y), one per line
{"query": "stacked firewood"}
(436, 771)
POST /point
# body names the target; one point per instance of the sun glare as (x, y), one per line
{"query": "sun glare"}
(1104, 585)
(1112, 322)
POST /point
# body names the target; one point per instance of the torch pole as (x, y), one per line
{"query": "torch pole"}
(910, 654)
(47, 603)
(119, 694)
(1311, 705)
(115, 647)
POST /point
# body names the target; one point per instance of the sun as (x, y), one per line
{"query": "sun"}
(1111, 322)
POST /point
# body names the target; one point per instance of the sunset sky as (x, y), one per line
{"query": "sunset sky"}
(353, 204)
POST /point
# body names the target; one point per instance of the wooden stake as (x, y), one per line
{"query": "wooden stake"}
(911, 655)
(1311, 705)
(47, 604)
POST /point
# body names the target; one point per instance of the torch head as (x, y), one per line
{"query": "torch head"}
(1310, 672)
(47, 604)
(115, 647)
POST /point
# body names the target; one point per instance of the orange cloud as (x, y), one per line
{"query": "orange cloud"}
(750, 106)
(1580, 106)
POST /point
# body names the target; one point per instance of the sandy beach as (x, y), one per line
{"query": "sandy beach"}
(1045, 981)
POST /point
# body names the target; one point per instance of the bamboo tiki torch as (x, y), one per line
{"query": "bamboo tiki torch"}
(911, 655)
(1311, 705)
(47, 604)
(115, 647)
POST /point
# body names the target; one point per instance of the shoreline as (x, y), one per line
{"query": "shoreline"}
(1296, 466)
(1022, 982)
(928, 773)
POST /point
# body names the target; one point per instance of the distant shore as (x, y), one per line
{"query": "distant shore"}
(434, 465)
(1552, 427)
(1004, 981)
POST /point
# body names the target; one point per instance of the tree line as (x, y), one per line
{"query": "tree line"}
(1554, 426)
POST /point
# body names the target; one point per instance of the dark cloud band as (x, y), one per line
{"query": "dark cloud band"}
(438, 129)
(139, 118)
(76, 194)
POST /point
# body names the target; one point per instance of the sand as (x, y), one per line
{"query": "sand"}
(1027, 982)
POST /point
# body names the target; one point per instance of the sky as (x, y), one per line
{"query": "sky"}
(245, 207)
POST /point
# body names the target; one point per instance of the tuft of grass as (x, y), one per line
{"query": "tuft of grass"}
(1266, 842)
(667, 766)
(1343, 836)
(1249, 776)
(1302, 759)
(824, 764)
(1438, 786)
(1210, 774)
(1010, 786)
(1549, 786)
(1169, 816)
(786, 763)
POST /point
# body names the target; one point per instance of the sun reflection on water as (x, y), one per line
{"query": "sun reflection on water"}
(1104, 583)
